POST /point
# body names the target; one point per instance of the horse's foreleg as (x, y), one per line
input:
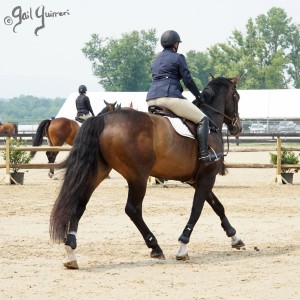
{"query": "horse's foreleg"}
(218, 208)
(199, 198)
(136, 193)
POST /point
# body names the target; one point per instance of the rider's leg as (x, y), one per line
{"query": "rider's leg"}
(202, 137)
(186, 109)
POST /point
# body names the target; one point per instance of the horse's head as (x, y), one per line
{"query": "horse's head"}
(221, 103)
(109, 107)
(232, 118)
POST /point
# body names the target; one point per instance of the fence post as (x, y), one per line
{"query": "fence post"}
(7, 176)
(278, 169)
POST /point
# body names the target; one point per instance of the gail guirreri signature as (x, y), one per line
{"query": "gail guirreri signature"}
(19, 16)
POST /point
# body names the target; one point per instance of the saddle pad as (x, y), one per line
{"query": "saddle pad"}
(180, 128)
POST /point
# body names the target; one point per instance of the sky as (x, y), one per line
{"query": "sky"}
(51, 64)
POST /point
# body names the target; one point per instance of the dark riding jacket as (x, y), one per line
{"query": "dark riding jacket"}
(83, 105)
(167, 70)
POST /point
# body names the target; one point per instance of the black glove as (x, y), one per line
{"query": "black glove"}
(200, 98)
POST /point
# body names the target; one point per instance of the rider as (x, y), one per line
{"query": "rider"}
(168, 69)
(83, 105)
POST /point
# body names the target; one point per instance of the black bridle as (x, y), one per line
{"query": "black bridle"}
(235, 99)
(234, 120)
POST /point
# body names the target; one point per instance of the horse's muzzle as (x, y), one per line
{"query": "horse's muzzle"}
(236, 127)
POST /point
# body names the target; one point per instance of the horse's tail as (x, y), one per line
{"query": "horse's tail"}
(40, 133)
(81, 164)
(16, 128)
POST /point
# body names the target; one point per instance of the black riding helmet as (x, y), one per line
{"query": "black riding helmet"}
(169, 37)
(82, 89)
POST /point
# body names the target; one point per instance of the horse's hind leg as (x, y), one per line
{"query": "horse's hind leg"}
(218, 208)
(136, 193)
(71, 241)
(51, 159)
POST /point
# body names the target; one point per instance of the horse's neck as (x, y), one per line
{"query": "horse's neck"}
(216, 117)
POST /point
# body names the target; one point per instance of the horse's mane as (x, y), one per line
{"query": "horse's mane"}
(212, 88)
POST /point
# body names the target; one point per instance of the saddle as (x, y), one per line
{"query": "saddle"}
(164, 112)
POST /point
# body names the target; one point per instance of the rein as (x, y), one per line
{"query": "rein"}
(233, 120)
(223, 114)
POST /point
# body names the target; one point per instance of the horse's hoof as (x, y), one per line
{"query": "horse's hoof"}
(239, 245)
(157, 255)
(71, 265)
(182, 257)
(50, 175)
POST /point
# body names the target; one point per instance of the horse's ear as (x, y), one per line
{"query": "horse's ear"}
(106, 103)
(212, 76)
(236, 80)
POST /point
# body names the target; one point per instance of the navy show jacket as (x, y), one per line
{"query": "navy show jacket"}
(168, 69)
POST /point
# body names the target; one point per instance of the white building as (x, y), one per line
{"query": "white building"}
(254, 104)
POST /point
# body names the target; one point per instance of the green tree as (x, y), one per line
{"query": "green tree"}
(267, 54)
(294, 55)
(122, 64)
(29, 109)
(198, 63)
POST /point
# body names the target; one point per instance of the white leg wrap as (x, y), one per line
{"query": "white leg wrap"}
(71, 254)
(235, 239)
(183, 250)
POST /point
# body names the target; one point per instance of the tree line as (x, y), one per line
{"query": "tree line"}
(267, 55)
(29, 109)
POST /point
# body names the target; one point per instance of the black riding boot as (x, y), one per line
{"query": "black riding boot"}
(202, 137)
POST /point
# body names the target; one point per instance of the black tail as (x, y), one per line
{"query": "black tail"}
(40, 133)
(81, 164)
(16, 128)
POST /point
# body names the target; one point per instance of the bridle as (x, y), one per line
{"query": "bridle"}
(234, 119)
(235, 99)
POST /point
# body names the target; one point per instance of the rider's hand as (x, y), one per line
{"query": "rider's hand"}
(200, 98)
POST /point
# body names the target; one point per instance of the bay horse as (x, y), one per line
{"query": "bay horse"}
(9, 128)
(138, 145)
(60, 131)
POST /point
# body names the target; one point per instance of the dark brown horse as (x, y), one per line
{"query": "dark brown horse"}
(60, 131)
(9, 128)
(138, 145)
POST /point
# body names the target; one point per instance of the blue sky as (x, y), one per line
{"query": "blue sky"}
(52, 64)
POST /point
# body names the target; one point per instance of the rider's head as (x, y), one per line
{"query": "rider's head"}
(82, 89)
(170, 39)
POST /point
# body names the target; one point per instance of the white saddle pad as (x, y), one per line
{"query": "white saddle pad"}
(180, 128)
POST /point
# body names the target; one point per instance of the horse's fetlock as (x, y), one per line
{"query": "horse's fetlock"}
(184, 239)
(185, 236)
(150, 240)
(230, 231)
(71, 241)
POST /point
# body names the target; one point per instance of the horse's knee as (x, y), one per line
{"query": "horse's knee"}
(132, 211)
